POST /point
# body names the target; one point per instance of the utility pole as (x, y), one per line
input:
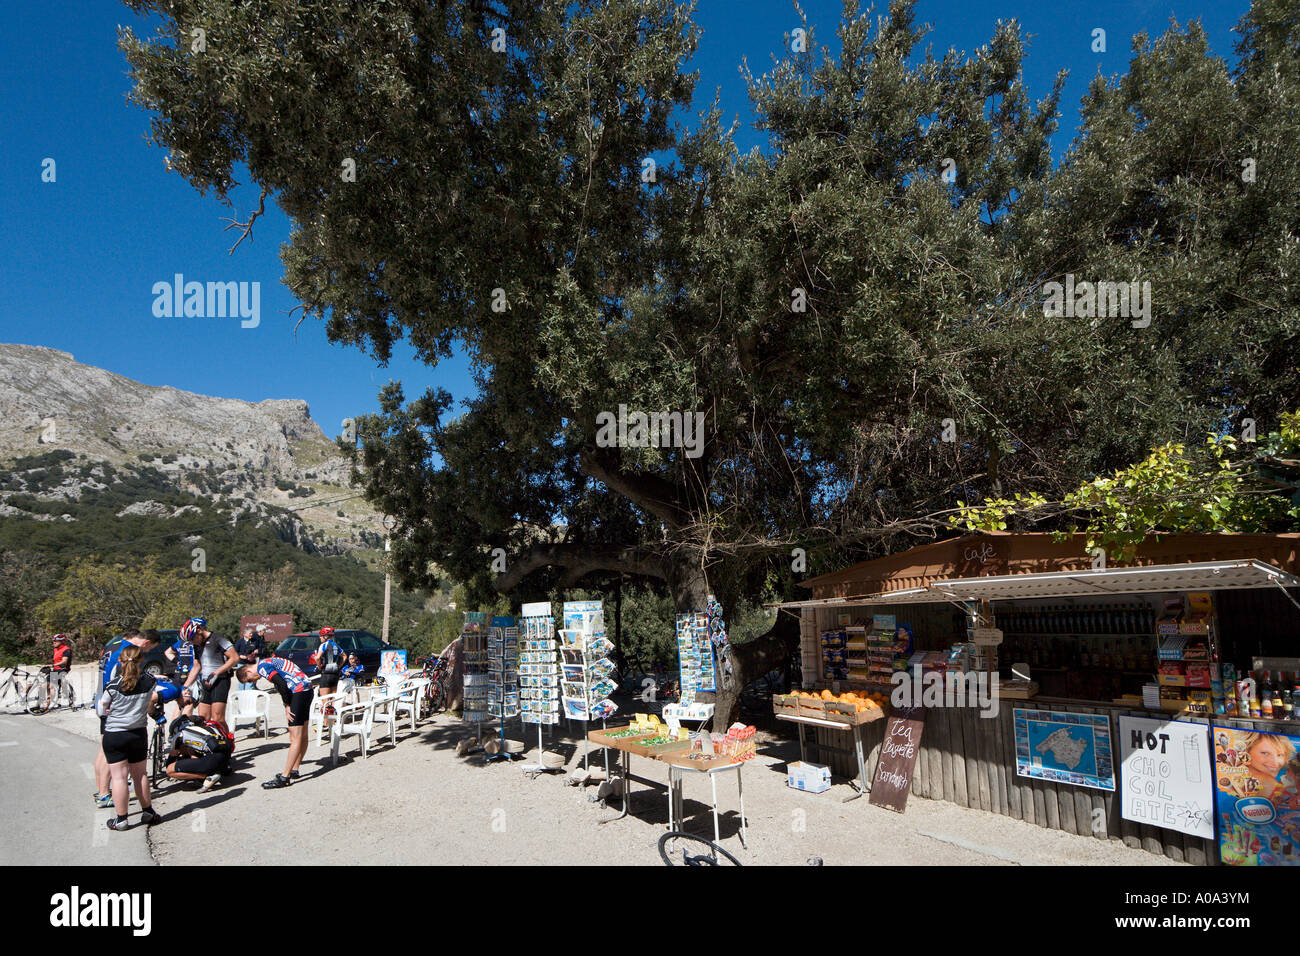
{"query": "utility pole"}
(388, 573)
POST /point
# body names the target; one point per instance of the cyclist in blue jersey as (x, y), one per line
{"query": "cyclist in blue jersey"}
(296, 691)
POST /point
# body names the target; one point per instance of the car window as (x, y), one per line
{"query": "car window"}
(288, 645)
(369, 642)
(347, 642)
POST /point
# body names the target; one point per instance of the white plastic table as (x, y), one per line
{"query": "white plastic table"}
(861, 788)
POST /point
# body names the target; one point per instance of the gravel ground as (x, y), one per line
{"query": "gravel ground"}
(416, 802)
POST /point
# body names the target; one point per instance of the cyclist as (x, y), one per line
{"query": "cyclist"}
(60, 667)
(199, 750)
(132, 637)
(296, 692)
(329, 660)
(217, 659)
(352, 672)
(124, 705)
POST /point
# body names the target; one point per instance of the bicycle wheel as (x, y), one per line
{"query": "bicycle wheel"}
(437, 697)
(38, 698)
(675, 843)
(157, 759)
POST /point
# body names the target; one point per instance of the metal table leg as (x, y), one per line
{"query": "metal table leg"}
(802, 752)
(863, 787)
(626, 765)
(744, 824)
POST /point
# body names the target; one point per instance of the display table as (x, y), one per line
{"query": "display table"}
(863, 787)
(679, 764)
(676, 755)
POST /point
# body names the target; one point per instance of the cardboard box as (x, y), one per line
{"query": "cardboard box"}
(809, 777)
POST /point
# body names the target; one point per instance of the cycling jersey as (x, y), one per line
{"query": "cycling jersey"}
(62, 658)
(328, 655)
(284, 674)
(167, 691)
(213, 655)
(110, 666)
(353, 671)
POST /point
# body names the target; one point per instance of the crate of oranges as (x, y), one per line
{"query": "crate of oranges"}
(852, 707)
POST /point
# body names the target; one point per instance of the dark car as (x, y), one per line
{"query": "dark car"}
(299, 647)
(156, 662)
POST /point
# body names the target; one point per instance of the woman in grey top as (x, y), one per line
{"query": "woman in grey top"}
(124, 706)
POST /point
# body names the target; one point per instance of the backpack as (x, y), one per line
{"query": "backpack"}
(203, 736)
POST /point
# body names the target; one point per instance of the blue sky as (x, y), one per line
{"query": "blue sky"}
(81, 254)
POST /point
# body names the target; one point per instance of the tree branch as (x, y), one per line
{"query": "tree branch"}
(579, 560)
(247, 227)
(650, 492)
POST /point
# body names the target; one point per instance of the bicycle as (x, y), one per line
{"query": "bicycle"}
(675, 841)
(434, 698)
(16, 684)
(41, 696)
(158, 750)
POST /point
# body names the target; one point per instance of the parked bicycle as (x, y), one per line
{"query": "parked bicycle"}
(158, 748)
(438, 672)
(46, 692)
(13, 689)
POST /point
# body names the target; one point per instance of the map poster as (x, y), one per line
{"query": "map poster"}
(392, 663)
(1256, 780)
(1164, 777)
(898, 751)
(1064, 748)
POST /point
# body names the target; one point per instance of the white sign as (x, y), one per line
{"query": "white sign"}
(538, 609)
(1165, 776)
(986, 636)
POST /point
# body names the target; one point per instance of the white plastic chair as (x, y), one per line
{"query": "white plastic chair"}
(383, 710)
(351, 720)
(408, 702)
(249, 706)
(317, 718)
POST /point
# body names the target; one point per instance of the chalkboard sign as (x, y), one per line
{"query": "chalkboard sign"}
(893, 781)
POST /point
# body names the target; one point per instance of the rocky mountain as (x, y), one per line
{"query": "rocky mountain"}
(252, 459)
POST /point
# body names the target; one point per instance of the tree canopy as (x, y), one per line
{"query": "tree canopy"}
(856, 309)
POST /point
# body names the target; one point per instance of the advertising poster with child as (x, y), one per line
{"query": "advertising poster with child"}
(1256, 803)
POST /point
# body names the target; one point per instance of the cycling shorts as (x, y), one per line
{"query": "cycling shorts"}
(129, 745)
(299, 706)
(218, 693)
(208, 765)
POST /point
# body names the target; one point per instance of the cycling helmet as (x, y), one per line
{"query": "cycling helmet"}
(327, 632)
(63, 638)
(191, 628)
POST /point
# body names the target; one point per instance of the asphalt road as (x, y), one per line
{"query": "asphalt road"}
(46, 810)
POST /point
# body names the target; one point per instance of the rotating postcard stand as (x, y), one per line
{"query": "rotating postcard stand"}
(475, 696)
(539, 677)
(503, 680)
(585, 668)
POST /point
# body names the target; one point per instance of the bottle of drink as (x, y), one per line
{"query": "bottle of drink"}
(1266, 699)
(1288, 702)
(1279, 705)
(1256, 708)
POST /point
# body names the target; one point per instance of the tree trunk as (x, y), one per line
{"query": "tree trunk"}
(750, 661)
